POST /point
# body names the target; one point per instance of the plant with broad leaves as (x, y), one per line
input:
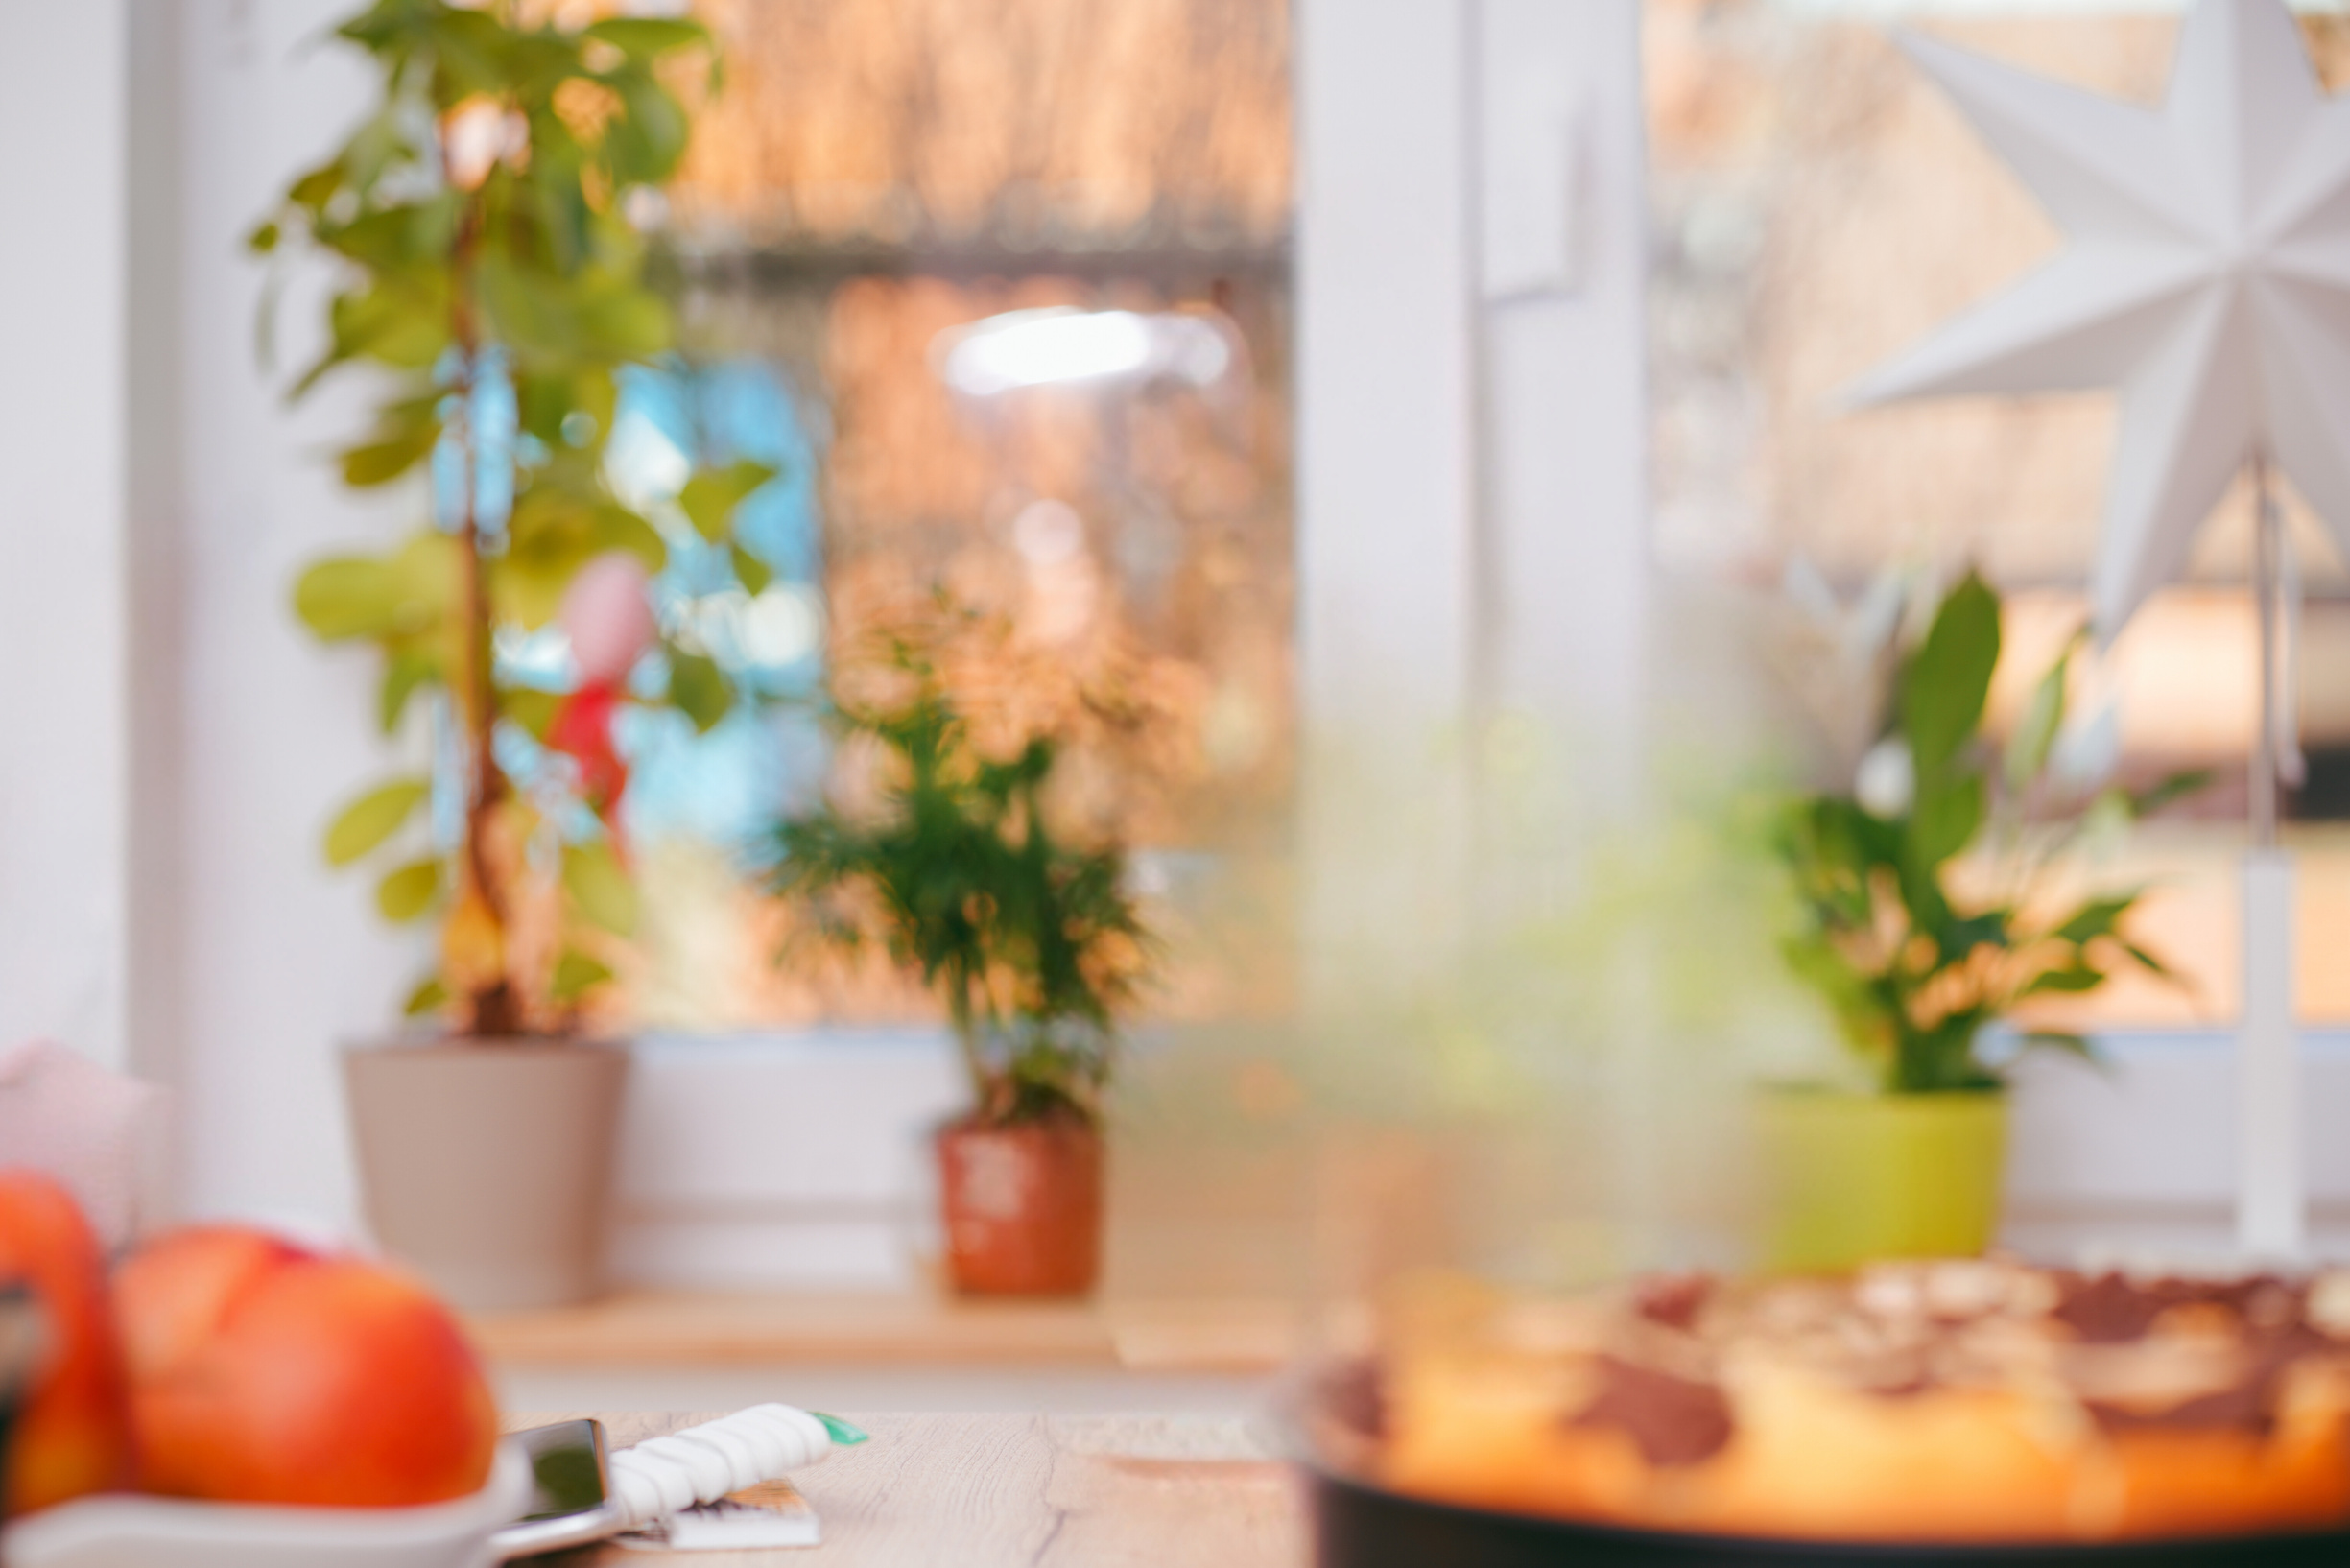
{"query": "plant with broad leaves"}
(489, 277)
(1914, 972)
(1033, 944)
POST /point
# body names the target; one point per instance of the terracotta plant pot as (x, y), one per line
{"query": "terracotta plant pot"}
(486, 1165)
(1855, 1177)
(1023, 1208)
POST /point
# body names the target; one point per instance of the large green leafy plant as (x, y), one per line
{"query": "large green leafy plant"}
(490, 280)
(1031, 943)
(1912, 969)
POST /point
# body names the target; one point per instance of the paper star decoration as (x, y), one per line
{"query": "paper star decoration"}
(2207, 278)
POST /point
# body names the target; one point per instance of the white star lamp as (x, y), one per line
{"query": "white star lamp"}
(2207, 279)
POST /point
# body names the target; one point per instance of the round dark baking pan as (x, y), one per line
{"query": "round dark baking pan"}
(1356, 1526)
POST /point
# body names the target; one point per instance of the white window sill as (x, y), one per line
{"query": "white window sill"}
(798, 1160)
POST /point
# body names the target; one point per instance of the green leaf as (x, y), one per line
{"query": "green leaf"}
(2176, 787)
(2073, 978)
(317, 372)
(1824, 967)
(426, 573)
(379, 462)
(646, 36)
(698, 689)
(646, 142)
(595, 394)
(1961, 936)
(550, 518)
(532, 709)
(314, 189)
(406, 330)
(432, 225)
(553, 535)
(2071, 1045)
(709, 498)
(1946, 819)
(754, 573)
(373, 818)
(529, 311)
(617, 528)
(599, 889)
(1922, 895)
(575, 973)
(263, 239)
(2036, 732)
(347, 596)
(1942, 689)
(409, 892)
(471, 48)
(428, 997)
(371, 148)
(565, 216)
(385, 239)
(625, 324)
(541, 402)
(2148, 960)
(2097, 917)
(403, 674)
(527, 592)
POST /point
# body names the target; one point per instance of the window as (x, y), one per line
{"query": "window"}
(1816, 206)
(1007, 293)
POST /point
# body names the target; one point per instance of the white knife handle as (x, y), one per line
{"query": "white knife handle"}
(703, 1463)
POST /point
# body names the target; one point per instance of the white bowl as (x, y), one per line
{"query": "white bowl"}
(121, 1531)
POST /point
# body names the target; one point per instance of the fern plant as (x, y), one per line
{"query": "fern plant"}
(1033, 944)
(492, 284)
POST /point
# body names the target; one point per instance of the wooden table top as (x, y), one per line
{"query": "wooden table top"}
(1038, 1491)
(638, 1328)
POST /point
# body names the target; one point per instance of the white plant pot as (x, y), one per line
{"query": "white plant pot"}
(486, 1165)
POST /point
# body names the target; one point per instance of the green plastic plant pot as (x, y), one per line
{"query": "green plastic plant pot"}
(1857, 1177)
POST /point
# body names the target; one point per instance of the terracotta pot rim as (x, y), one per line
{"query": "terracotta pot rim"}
(968, 1123)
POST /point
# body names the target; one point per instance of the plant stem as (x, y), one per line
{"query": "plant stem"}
(966, 1037)
(495, 1011)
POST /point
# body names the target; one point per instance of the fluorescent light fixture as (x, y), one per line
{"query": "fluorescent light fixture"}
(1062, 345)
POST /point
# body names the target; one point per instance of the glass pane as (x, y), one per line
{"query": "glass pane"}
(1818, 206)
(1006, 290)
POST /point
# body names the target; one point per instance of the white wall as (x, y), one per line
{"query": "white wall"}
(261, 961)
(65, 724)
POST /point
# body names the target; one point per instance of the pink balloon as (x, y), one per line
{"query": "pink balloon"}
(608, 614)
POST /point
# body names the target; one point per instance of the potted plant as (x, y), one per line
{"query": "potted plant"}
(1031, 944)
(490, 288)
(1915, 968)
